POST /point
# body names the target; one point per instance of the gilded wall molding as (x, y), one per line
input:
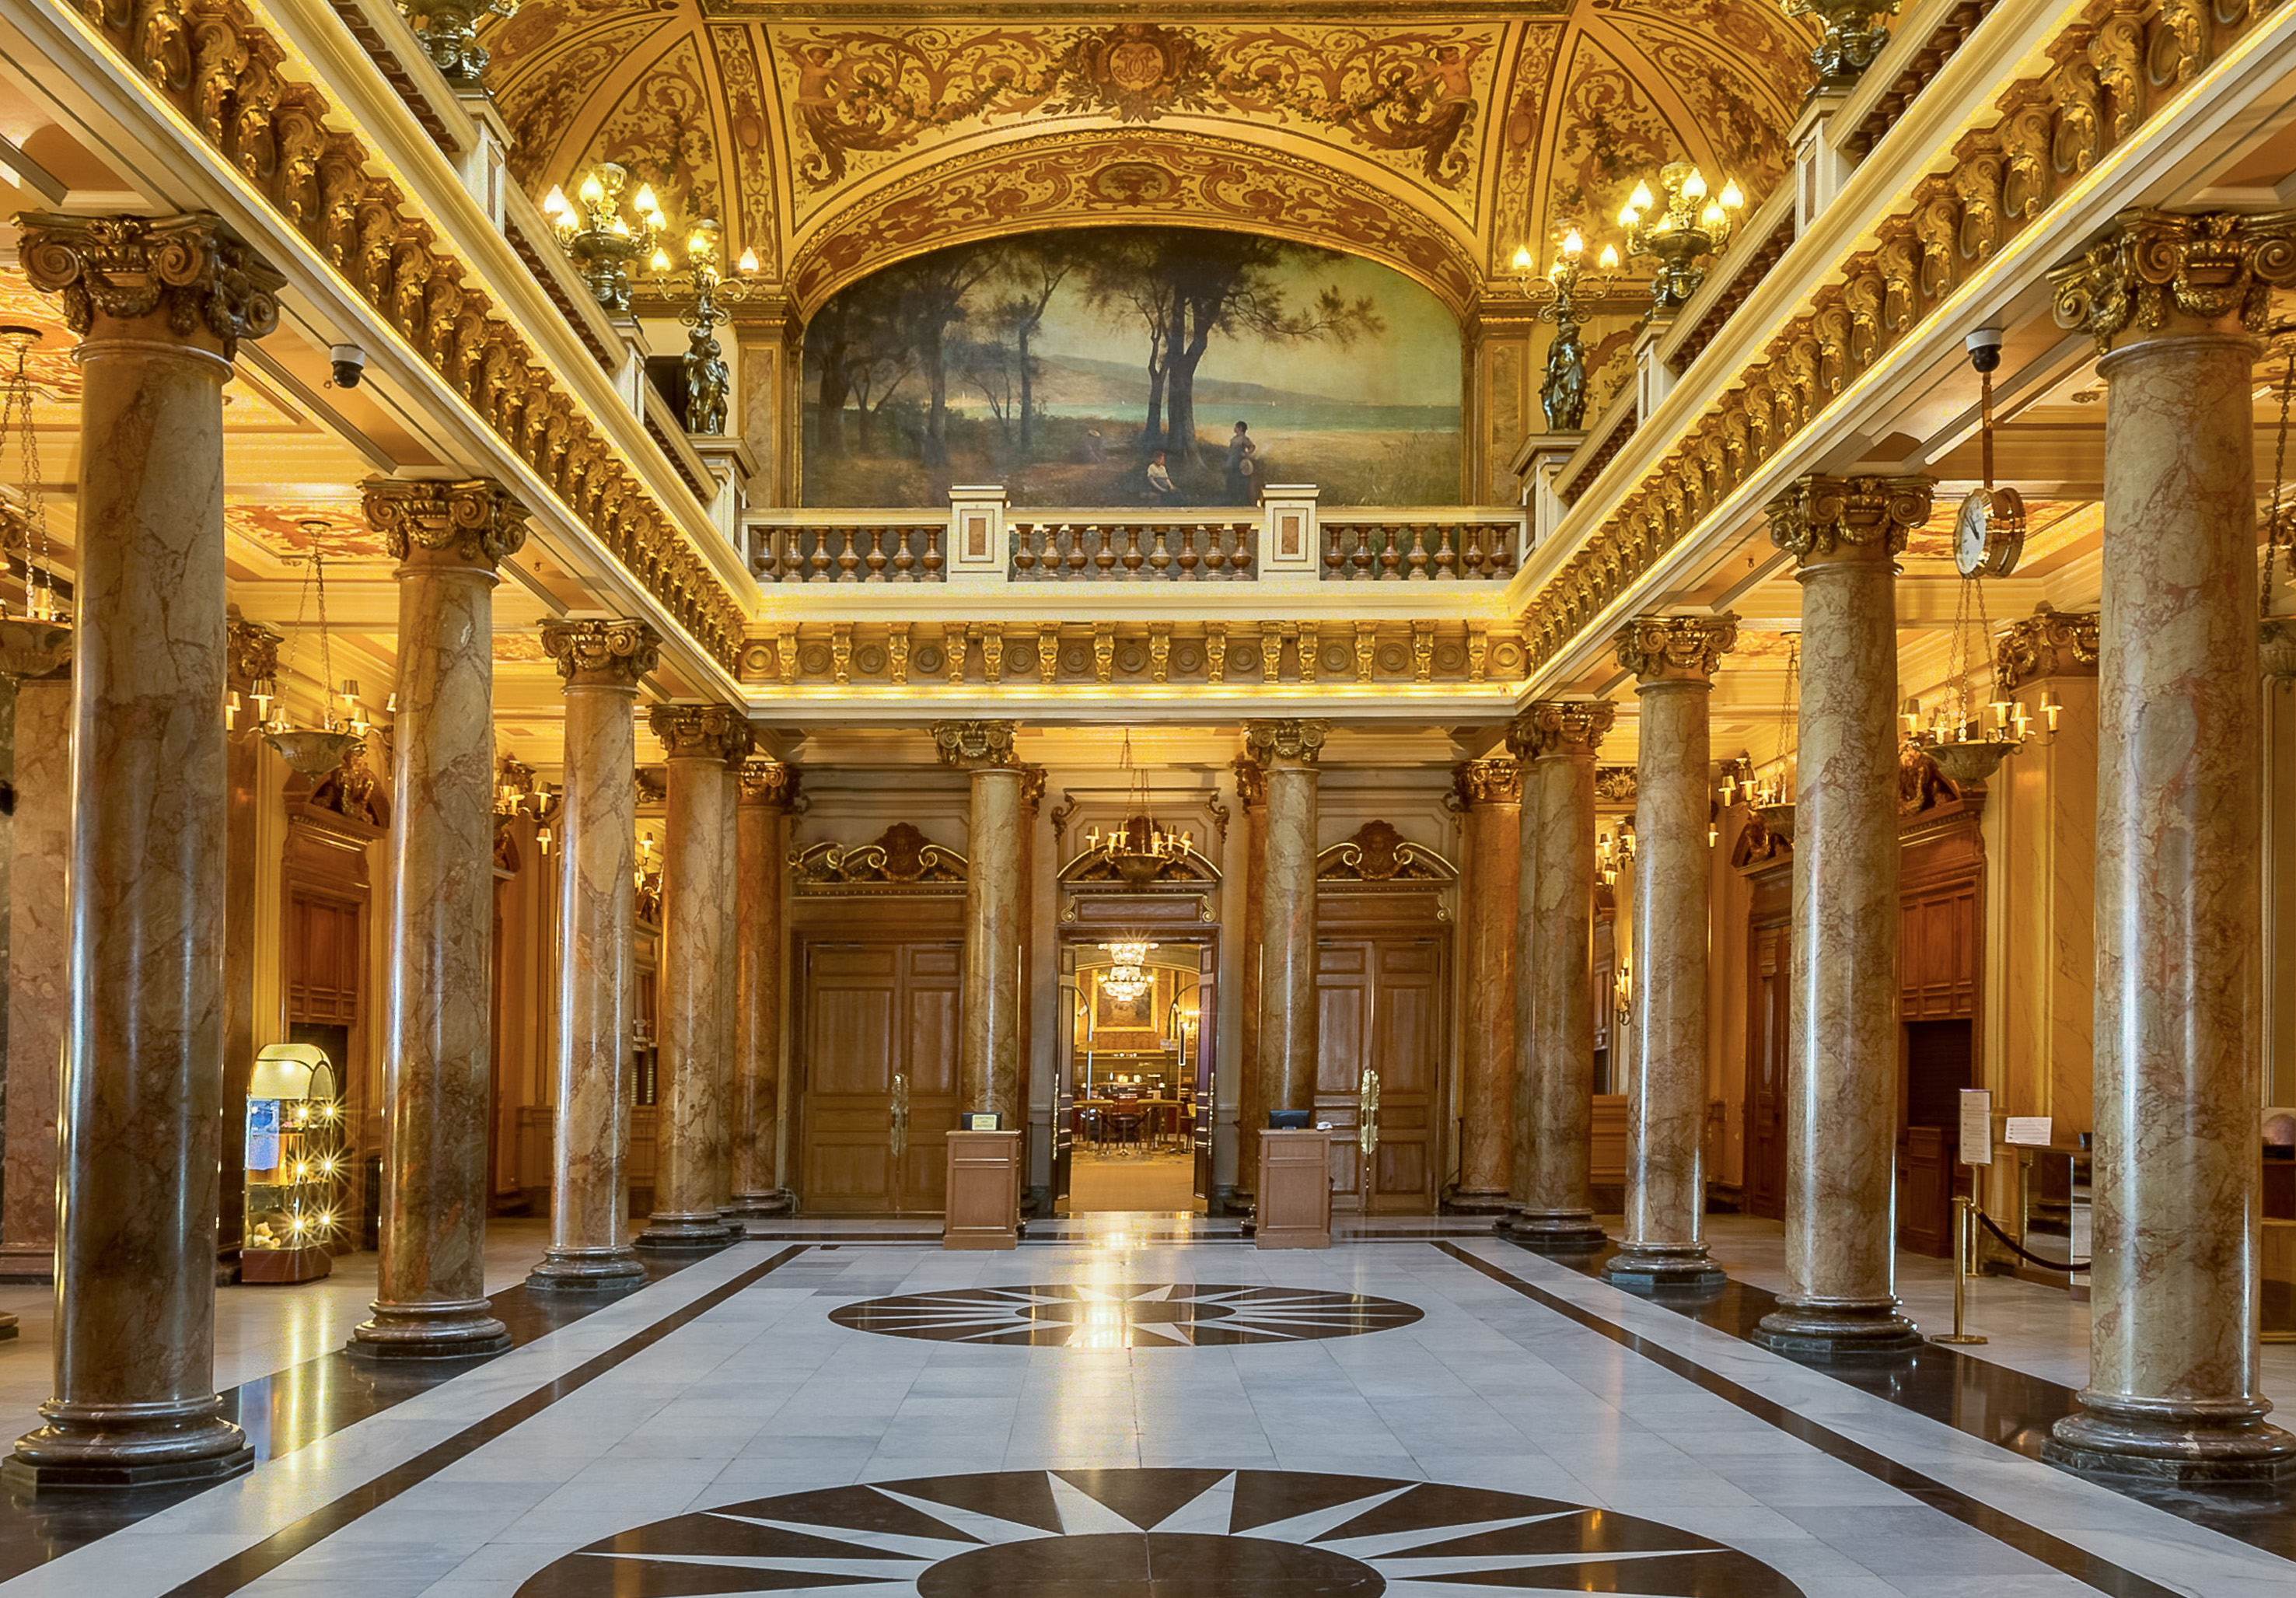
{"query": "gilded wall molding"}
(1378, 856)
(899, 860)
(192, 269)
(601, 653)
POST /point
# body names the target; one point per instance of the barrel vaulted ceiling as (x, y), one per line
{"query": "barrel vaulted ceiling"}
(834, 138)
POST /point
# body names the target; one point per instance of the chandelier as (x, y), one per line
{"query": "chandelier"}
(1563, 393)
(1138, 849)
(319, 748)
(1686, 229)
(30, 513)
(706, 377)
(1126, 976)
(599, 237)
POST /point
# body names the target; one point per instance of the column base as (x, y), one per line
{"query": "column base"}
(774, 1201)
(2178, 1444)
(458, 1329)
(1836, 1330)
(8, 1327)
(1663, 1267)
(703, 1234)
(28, 1262)
(1478, 1201)
(587, 1271)
(113, 1445)
(1552, 1231)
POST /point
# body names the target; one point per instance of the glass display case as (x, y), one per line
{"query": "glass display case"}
(294, 1133)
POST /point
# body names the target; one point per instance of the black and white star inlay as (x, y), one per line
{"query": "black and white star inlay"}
(1155, 1534)
(1128, 1315)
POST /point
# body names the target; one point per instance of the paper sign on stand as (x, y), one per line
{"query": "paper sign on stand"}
(2032, 1131)
(1977, 1126)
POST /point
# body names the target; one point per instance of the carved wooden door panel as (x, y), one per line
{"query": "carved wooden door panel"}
(930, 976)
(1343, 1047)
(1408, 1032)
(880, 1042)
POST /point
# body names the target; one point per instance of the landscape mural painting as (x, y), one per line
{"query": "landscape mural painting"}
(1062, 364)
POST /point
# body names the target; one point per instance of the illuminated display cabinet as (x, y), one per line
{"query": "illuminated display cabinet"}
(294, 1165)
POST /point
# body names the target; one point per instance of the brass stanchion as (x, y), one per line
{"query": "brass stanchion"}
(1965, 1219)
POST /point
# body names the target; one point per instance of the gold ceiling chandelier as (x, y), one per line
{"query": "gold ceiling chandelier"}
(1138, 849)
(601, 239)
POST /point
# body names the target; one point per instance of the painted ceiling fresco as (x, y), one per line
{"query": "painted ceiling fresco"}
(833, 139)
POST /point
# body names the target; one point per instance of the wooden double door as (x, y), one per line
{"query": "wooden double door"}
(878, 1045)
(1381, 999)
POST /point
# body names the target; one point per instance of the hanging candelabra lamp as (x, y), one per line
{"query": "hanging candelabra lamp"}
(321, 747)
(1680, 230)
(36, 632)
(601, 239)
(1138, 849)
(1989, 537)
(1771, 798)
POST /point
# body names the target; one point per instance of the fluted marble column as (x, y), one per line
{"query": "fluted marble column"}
(761, 872)
(601, 662)
(1491, 791)
(1251, 1102)
(448, 539)
(1558, 738)
(160, 305)
(2173, 1370)
(704, 743)
(1287, 751)
(1841, 1116)
(996, 919)
(1673, 660)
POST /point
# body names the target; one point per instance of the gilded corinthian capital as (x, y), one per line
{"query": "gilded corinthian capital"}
(193, 270)
(1497, 781)
(975, 745)
(2166, 273)
(2047, 644)
(1285, 742)
(700, 732)
(767, 783)
(476, 521)
(598, 653)
(1675, 647)
(1817, 517)
(1562, 726)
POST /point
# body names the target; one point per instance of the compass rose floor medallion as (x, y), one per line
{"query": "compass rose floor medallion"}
(1155, 1534)
(1126, 1315)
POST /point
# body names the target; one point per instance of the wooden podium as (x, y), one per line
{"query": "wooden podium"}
(1295, 1190)
(983, 1208)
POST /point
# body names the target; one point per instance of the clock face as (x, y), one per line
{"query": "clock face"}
(1989, 533)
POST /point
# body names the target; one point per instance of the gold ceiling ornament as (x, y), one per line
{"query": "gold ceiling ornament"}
(1852, 37)
(1565, 726)
(597, 652)
(2164, 272)
(1676, 648)
(193, 269)
(975, 745)
(449, 31)
(1495, 781)
(602, 240)
(1688, 226)
(1818, 516)
(709, 381)
(476, 521)
(700, 732)
(1285, 742)
(36, 639)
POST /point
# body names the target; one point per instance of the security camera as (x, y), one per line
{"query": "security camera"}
(1984, 347)
(349, 360)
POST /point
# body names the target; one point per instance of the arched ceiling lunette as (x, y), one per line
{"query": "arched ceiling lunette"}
(813, 130)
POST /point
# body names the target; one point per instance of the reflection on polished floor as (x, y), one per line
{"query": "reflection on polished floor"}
(1132, 1406)
(1154, 1180)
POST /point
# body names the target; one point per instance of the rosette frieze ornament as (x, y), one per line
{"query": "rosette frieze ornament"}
(474, 522)
(1562, 725)
(192, 271)
(700, 732)
(1286, 742)
(1659, 649)
(1497, 781)
(975, 745)
(2161, 274)
(1821, 517)
(767, 783)
(2047, 644)
(595, 653)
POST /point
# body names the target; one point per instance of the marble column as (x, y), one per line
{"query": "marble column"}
(1251, 1102)
(449, 539)
(40, 969)
(2173, 1369)
(1287, 751)
(762, 875)
(254, 656)
(601, 663)
(988, 1018)
(704, 743)
(1520, 1120)
(1841, 1114)
(1557, 740)
(1491, 792)
(1673, 660)
(160, 305)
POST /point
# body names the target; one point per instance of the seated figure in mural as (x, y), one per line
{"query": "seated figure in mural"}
(1161, 492)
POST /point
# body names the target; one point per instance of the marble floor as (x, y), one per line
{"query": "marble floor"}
(1136, 1407)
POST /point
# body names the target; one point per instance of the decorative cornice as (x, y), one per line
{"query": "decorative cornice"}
(700, 732)
(1562, 726)
(598, 653)
(975, 745)
(477, 522)
(1251, 782)
(1497, 781)
(1285, 743)
(1675, 648)
(1817, 516)
(2161, 273)
(767, 783)
(193, 269)
(2047, 644)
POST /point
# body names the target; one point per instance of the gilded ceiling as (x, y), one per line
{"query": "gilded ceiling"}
(831, 139)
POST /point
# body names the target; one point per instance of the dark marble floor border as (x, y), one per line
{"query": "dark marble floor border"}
(2092, 1569)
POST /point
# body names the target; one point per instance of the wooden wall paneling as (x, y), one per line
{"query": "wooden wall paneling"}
(1769, 966)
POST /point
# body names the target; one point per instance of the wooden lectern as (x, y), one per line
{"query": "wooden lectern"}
(983, 1208)
(1295, 1190)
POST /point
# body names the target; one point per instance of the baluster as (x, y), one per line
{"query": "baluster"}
(1215, 554)
(1444, 561)
(932, 562)
(1417, 559)
(846, 560)
(1160, 558)
(1188, 555)
(1024, 547)
(820, 561)
(1335, 557)
(1363, 557)
(1391, 554)
(876, 559)
(1502, 553)
(1078, 536)
(1239, 563)
(1104, 557)
(903, 560)
(1474, 558)
(1132, 555)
